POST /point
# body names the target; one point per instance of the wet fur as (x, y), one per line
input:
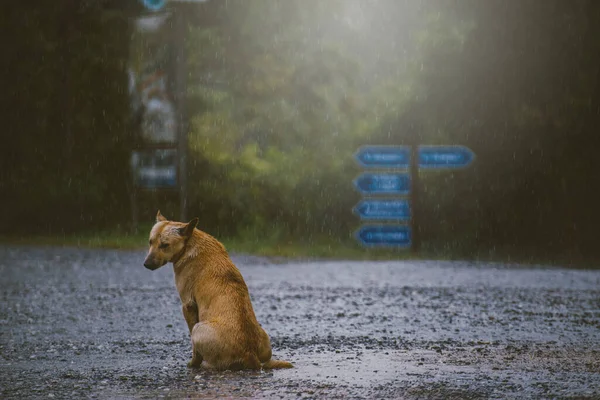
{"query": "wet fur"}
(215, 299)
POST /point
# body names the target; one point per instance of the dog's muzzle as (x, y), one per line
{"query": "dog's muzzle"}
(151, 264)
(151, 267)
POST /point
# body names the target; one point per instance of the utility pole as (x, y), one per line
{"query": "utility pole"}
(179, 28)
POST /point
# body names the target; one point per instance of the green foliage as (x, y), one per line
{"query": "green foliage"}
(275, 127)
(282, 93)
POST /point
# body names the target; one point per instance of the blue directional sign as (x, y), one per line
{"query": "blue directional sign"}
(384, 235)
(154, 5)
(383, 156)
(445, 156)
(383, 183)
(375, 209)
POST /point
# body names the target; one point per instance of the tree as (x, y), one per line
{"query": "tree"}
(64, 80)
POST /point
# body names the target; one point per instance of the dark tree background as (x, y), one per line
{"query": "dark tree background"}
(282, 93)
(65, 135)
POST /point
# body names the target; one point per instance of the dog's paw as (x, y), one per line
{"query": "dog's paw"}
(194, 363)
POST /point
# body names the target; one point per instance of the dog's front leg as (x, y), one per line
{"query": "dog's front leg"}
(190, 313)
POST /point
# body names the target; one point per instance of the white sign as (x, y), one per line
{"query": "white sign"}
(154, 168)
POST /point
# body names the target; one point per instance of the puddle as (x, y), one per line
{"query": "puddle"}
(369, 367)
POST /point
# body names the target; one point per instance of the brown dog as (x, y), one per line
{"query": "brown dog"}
(216, 303)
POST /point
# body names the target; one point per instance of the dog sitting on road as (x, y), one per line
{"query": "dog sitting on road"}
(215, 300)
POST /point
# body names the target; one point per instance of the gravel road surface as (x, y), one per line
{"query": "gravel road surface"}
(77, 323)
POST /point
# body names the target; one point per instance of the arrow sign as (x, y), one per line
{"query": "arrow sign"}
(445, 156)
(384, 235)
(383, 156)
(393, 209)
(383, 183)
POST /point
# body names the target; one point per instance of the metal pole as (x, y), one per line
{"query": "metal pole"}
(414, 196)
(180, 33)
(134, 210)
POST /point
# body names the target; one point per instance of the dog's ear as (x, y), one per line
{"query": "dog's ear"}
(159, 217)
(188, 230)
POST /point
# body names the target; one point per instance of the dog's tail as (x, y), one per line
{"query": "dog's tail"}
(277, 364)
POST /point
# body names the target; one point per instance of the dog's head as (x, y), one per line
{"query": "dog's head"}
(167, 241)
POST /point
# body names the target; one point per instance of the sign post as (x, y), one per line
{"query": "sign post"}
(414, 159)
(414, 200)
(180, 31)
(158, 88)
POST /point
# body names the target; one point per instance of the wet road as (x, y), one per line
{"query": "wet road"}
(96, 324)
